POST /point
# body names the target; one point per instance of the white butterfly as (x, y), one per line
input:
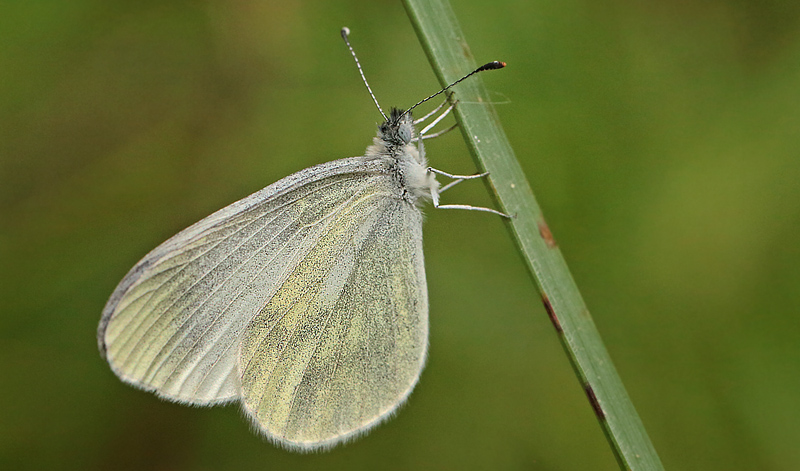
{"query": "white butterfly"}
(305, 301)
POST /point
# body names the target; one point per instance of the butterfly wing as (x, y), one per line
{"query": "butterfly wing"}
(343, 341)
(174, 323)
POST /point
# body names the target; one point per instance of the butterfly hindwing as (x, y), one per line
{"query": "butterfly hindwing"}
(343, 342)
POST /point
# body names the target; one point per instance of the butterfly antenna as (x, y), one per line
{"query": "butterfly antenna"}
(490, 66)
(345, 33)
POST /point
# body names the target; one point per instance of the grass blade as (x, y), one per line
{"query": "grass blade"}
(448, 52)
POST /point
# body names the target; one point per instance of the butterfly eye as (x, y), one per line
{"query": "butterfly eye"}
(405, 132)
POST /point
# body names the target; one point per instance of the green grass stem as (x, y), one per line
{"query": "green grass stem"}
(449, 54)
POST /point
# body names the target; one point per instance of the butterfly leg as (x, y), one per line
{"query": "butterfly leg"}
(421, 137)
(435, 110)
(437, 120)
(437, 134)
(456, 180)
(471, 208)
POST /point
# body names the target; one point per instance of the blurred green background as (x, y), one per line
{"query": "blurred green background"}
(661, 139)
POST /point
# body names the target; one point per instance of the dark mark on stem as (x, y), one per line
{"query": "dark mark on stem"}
(598, 411)
(544, 231)
(552, 313)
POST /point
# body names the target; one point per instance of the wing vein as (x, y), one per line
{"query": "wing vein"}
(350, 278)
(222, 312)
(283, 207)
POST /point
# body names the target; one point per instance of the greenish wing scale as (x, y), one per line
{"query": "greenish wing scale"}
(343, 342)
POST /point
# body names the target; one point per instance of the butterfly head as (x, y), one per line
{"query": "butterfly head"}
(398, 129)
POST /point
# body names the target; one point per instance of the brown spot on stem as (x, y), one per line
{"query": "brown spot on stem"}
(598, 411)
(544, 231)
(552, 313)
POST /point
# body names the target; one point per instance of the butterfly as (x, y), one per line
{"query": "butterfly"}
(306, 302)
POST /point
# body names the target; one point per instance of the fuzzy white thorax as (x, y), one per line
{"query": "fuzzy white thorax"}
(394, 142)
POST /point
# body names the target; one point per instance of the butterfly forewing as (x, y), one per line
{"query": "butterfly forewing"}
(175, 321)
(343, 342)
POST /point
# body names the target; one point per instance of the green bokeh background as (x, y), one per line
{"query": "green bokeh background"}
(661, 139)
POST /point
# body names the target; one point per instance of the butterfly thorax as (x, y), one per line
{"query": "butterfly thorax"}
(406, 163)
